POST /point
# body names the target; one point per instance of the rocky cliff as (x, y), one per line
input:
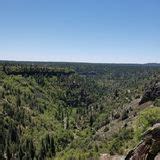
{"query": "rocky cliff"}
(151, 93)
(149, 147)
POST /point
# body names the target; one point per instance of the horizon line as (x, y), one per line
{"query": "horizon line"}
(83, 62)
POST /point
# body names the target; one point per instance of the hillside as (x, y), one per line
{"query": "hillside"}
(75, 111)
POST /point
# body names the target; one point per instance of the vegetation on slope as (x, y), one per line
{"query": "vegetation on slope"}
(72, 111)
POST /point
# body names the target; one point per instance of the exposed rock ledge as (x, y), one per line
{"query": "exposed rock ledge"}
(151, 93)
(149, 148)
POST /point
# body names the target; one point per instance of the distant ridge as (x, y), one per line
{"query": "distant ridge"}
(52, 63)
(152, 64)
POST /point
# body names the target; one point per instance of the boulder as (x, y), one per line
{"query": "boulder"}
(151, 93)
(149, 147)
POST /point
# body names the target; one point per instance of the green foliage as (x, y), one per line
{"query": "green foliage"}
(75, 154)
(157, 102)
(56, 110)
(119, 141)
(146, 119)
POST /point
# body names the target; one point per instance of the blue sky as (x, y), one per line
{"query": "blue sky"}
(108, 31)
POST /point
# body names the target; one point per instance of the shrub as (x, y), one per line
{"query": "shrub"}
(146, 119)
(124, 115)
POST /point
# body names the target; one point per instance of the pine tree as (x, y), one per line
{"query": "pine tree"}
(31, 149)
(8, 153)
(91, 120)
(18, 101)
(20, 153)
(52, 145)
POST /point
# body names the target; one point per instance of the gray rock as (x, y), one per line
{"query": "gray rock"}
(151, 93)
(149, 148)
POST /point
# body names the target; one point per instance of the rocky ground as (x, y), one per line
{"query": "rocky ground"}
(149, 147)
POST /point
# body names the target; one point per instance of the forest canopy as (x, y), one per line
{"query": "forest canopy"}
(74, 110)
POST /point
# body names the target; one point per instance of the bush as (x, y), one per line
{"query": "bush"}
(146, 119)
(124, 115)
(157, 102)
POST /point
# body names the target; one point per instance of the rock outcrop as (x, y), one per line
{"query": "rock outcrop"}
(149, 148)
(111, 157)
(151, 93)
